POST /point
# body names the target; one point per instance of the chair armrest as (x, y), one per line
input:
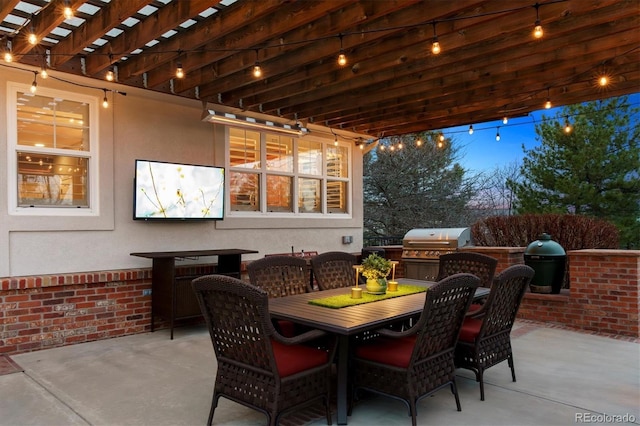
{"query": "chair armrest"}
(397, 334)
(301, 338)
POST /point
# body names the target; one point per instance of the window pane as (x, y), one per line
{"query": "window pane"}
(49, 180)
(279, 153)
(52, 122)
(244, 191)
(309, 193)
(244, 148)
(337, 165)
(336, 197)
(279, 193)
(309, 157)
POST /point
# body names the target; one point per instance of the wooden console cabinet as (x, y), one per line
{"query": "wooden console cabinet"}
(172, 297)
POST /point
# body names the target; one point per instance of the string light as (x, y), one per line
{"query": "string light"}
(537, 29)
(179, 71)
(567, 125)
(342, 58)
(34, 84)
(257, 71)
(603, 80)
(505, 120)
(105, 101)
(498, 134)
(547, 104)
(110, 76)
(419, 142)
(8, 57)
(67, 12)
(441, 137)
(470, 129)
(435, 46)
(43, 72)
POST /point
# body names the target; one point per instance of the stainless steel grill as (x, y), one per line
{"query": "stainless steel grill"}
(422, 247)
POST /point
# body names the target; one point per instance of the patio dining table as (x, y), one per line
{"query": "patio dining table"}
(350, 321)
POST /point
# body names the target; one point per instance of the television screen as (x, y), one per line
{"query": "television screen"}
(172, 191)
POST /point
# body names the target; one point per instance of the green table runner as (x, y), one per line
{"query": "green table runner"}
(344, 300)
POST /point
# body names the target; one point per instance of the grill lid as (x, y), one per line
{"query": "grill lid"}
(430, 243)
(451, 237)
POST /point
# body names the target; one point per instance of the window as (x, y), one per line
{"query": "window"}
(54, 152)
(271, 173)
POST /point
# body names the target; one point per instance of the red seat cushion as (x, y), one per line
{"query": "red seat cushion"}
(470, 329)
(474, 307)
(292, 359)
(286, 328)
(388, 351)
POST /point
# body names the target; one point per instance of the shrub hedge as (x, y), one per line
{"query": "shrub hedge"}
(572, 232)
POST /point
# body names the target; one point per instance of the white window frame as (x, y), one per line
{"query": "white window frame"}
(13, 148)
(263, 172)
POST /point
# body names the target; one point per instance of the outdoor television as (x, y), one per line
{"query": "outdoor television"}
(174, 191)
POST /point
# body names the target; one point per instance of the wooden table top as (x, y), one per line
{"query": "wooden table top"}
(352, 319)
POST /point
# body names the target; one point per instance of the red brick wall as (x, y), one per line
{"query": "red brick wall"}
(49, 311)
(603, 291)
(42, 312)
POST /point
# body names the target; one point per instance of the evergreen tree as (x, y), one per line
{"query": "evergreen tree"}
(417, 186)
(594, 169)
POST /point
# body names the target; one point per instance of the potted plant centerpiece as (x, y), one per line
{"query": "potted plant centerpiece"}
(375, 269)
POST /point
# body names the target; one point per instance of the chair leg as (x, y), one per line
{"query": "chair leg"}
(481, 380)
(454, 391)
(513, 370)
(327, 408)
(414, 414)
(214, 404)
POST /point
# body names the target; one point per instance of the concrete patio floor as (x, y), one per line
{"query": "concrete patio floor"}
(564, 377)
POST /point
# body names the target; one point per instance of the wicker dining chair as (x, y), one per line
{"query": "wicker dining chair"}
(334, 269)
(281, 276)
(478, 264)
(412, 364)
(257, 367)
(485, 337)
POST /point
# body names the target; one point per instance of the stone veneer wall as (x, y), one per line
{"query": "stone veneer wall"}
(40, 312)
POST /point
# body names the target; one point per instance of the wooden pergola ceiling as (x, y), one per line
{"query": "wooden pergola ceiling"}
(490, 66)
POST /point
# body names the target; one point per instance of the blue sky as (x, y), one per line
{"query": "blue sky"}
(481, 152)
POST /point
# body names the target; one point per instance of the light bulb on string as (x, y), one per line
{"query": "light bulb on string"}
(567, 125)
(547, 104)
(441, 137)
(603, 80)
(105, 101)
(110, 76)
(400, 146)
(498, 134)
(342, 58)
(470, 129)
(8, 57)
(419, 142)
(440, 144)
(257, 70)
(34, 84)
(435, 45)
(505, 120)
(67, 12)
(179, 71)
(43, 71)
(538, 32)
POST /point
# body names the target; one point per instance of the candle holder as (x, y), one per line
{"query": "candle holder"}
(392, 286)
(356, 293)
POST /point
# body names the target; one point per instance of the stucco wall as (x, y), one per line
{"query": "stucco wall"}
(147, 125)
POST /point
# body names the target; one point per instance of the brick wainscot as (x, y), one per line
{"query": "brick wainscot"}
(40, 312)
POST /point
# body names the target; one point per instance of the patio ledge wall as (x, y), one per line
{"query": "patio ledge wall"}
(41, 312)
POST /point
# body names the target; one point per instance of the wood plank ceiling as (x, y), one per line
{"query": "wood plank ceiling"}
(490, 65)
